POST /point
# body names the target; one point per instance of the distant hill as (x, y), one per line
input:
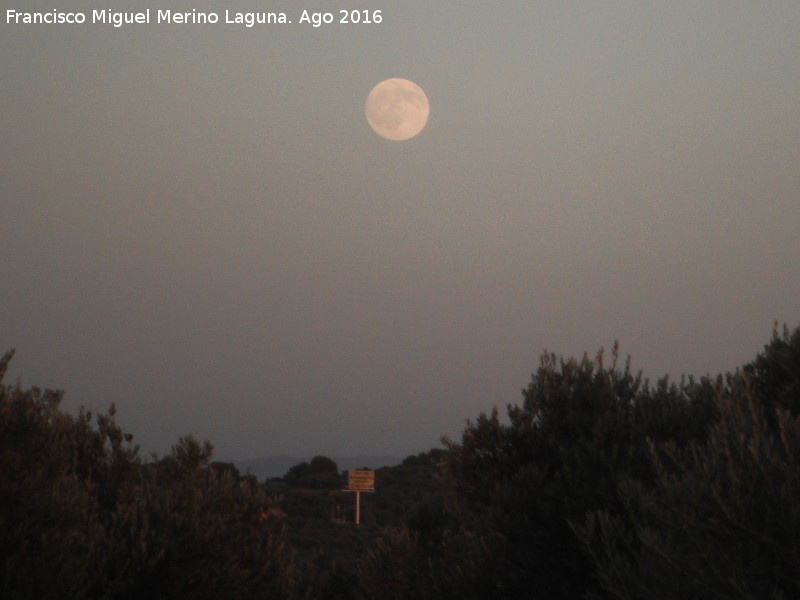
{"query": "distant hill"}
(277, 466)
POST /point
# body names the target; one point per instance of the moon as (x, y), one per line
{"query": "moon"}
(397, 109)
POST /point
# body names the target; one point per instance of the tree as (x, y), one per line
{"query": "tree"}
(82, 517)
(775, 373)
(721, 520)
(581, 425)
(320, 473)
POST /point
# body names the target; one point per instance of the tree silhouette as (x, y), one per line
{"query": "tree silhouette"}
(82, 517)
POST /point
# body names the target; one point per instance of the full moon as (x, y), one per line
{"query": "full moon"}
(397, 109)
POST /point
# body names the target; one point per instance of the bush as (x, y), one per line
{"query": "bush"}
(82, 517)
(721, 520)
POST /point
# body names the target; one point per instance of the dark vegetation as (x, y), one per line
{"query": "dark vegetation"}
(598, 485)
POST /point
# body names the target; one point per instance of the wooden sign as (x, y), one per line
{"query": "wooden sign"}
(361, 481)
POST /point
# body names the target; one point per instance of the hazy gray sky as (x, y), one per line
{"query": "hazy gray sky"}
(198, 224)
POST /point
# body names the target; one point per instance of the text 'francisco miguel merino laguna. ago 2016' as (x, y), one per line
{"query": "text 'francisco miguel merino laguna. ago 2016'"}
(158, 16)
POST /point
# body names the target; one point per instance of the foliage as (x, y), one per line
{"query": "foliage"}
(598, 485)
(775, 373)
(82, 517)
(331, 555)
(405, 492)
(580, 426)
(722, 519)
(320, 473)
(404, 565)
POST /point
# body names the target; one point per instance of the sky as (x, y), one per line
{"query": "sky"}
(198, 225)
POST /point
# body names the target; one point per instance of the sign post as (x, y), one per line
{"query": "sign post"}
(362, 480)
